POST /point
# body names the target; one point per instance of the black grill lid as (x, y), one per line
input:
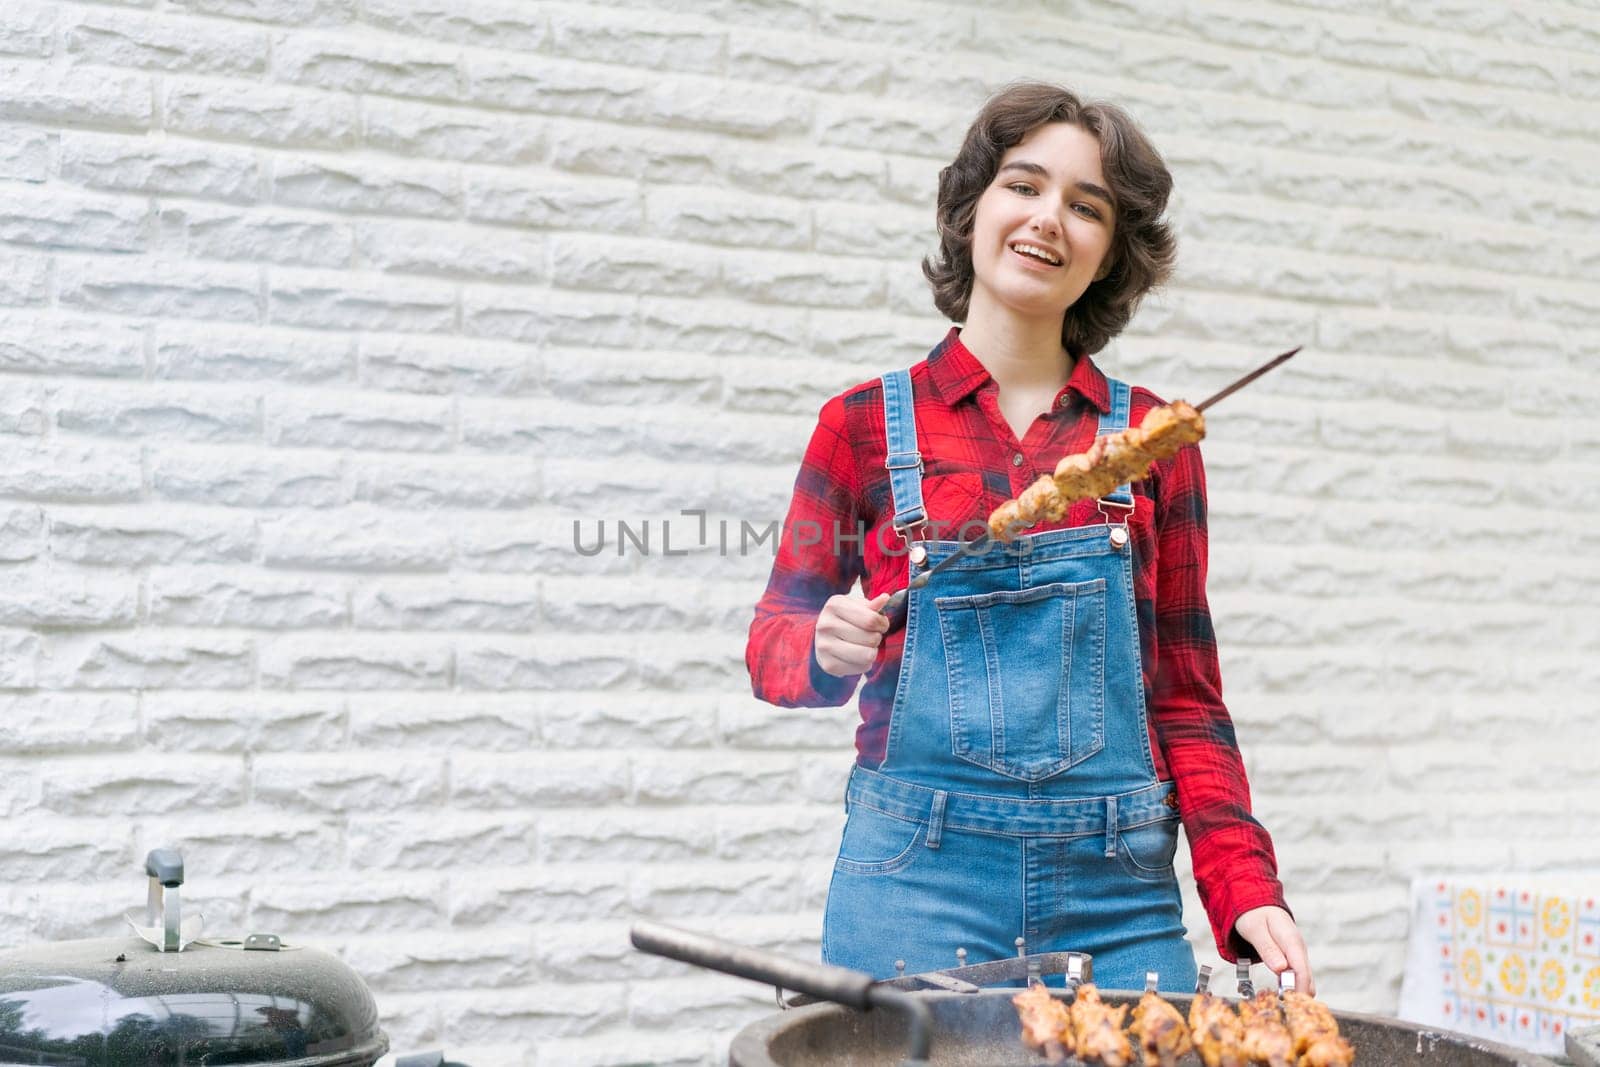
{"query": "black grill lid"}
(111, 1002)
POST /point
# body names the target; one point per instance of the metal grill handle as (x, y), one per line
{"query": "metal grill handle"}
(839, 985)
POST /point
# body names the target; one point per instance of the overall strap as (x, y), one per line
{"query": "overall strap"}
(1114, 421)
(903, 460)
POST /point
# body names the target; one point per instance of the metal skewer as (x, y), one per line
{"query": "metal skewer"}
(895, 607)
(1247, 379)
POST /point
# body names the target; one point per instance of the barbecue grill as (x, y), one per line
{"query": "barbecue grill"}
(947, 1019)
(170, 998)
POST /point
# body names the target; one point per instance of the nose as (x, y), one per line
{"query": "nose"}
(1047, 224)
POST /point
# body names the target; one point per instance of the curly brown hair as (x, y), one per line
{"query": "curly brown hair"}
(1143, 247)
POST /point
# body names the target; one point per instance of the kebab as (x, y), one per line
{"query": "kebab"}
(1218, 1035)
(1159, 1030)
(1315, 1032)
(1097, 1029)
(1046, 1023)
(1266, 1039)
(1114, 459)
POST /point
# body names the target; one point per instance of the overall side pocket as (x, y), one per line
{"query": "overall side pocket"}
(877, 843)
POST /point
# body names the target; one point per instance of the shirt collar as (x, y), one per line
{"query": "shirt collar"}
(956, 374)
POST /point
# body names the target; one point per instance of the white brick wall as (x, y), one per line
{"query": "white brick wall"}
(321, 320)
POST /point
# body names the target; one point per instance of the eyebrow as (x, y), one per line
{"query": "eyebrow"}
(1028, 167)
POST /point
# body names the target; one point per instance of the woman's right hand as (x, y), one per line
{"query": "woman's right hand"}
(849, 631)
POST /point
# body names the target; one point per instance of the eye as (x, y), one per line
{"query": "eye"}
(1028, 190)
(1087, 210)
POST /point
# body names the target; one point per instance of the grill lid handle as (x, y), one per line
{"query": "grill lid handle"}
(165, 865)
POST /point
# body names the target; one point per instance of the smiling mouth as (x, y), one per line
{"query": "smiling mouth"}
(1035, 254)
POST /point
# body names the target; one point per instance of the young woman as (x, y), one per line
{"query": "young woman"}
(1031, 739)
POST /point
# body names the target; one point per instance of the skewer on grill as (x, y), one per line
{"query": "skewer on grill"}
(1266, 1038)
(1158, 1029)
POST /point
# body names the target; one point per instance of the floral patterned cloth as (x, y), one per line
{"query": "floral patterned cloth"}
(1513, 958)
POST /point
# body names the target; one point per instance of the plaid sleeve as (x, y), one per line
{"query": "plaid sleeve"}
(812, 564)
(1234, 865)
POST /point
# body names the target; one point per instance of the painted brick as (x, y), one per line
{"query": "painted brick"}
(368, 64)
(325, 906)
(359, 188)
(256, 601)
(657, 156)
(25, 153)
(523, 782)
(330, 300)
(194, 414)
(28, 28)
(68, 471)
(483, 23)
(431, 131)
(411, 364)
(246, 477)
(61, 597)
(432, 842)
(169, 167)
(242, 722)
(32, 342)
(150, 660)
(260, 114)
(533, 200)
(26, 279)
(455, 603)
(127, 39)
(207, 352)
(354, 662)
(68, 722)
(124, 537)
(56, 219)
(394, 423)
(634, 39)
(333, 782)
(22, 530)
(503, 724)
(117, 786)
(496, 482)
(687, 214)
(291, 12)
(176, 290)
(36, 92)
(23, 412)
(450, 251)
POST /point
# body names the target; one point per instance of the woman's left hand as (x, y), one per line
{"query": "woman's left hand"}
(1278, 944)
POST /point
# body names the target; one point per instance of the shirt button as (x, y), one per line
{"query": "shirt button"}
(1061, 401)
(1016, 459)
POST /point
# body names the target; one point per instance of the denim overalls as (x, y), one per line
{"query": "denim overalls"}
(1017, 795)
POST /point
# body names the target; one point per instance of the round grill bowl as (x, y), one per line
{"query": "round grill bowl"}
(981, 1030)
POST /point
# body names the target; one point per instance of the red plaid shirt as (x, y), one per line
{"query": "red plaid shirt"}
(972, 464)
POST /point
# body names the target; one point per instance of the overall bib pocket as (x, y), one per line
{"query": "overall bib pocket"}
(875, 843)
(1027, 673)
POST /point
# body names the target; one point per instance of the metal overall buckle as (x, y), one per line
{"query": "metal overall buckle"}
(1118, 525)
(911, 536)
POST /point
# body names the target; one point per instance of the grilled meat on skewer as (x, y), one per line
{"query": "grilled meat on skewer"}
(1097, 1028)
(1125, 456)
(1266, 1039)
(1216, 1031)
(1160, 1031)
(1046, 1023)
(1315, 1032)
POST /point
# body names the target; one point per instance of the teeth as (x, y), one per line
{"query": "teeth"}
(1037, 253)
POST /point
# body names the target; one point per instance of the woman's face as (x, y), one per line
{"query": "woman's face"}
(1048, 195)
